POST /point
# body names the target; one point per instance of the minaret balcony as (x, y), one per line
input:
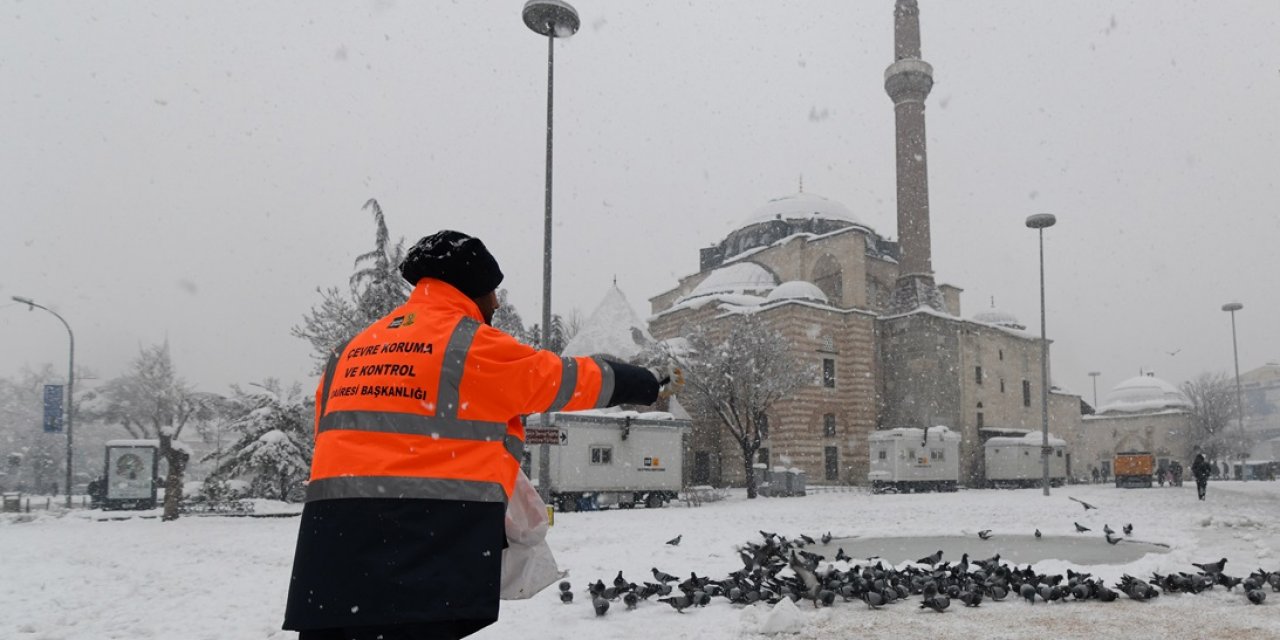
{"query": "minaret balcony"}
(908, 80)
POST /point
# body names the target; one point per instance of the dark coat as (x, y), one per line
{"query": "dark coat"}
(1201, 469)
(362, 562)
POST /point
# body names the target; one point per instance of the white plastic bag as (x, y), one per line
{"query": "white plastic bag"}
(527, 563)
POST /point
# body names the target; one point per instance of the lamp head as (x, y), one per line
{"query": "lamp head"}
(1232, 306)
(552, 18)
(1041, 220)
(31, 304)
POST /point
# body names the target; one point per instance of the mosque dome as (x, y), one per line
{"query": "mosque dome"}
(797, 290)
(998, 318)
(800, 206)
(1145, 393)
(743, 277)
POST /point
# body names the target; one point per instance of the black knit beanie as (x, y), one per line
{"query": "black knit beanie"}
(456, 258)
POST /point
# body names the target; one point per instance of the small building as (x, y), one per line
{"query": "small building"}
(1143, 413)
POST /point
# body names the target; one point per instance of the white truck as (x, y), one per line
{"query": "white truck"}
(1014, 461)
(599, 459)
(907, 459)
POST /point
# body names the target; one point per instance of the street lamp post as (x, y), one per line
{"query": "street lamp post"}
(1040, 222)
(553, 19)
(1233, 307)
(71, 368)
(1094, 375)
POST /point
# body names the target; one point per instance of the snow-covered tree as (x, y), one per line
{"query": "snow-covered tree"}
(1214, 411)
(508, 320)
(374, 290)
(32, 460)
(734, 372)
(150, 401)
(273, 439)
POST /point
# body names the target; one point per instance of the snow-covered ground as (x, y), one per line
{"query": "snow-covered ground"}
(72, 577)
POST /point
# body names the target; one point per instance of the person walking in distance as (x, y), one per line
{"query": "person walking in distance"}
(1201, 469)
(418, 444)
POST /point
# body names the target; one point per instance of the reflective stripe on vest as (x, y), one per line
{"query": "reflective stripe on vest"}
(403, 487)
(606, 381)
(568, 380)
(409, 423)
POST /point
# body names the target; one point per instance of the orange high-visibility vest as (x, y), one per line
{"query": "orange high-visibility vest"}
(425, 403)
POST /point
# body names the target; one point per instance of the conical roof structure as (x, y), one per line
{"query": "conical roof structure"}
(613, 329)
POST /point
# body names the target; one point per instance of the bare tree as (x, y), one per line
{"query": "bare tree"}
(734, 373)
(152, 402)
(1213, 415)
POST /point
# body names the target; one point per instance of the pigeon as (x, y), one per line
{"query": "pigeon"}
(565, 586)
(1080, 528)
(1028, 592)
(1257, 596)
(807, 539)
(675, 541)
(1107, 595)
(1128, 529)
(971, 598)
(601, 605)
(1111, 540)
(679, 603)
(1211, 567)
(937, 603)
(566, 597)
(826, 538)
(827, 597)
(619, 581)
(1087, 506)
(631, 599)
(1106, 528)
(931, 560)
(662, 576)
(1038, 534)
(984, 534)
(841, 555)
(596, 588)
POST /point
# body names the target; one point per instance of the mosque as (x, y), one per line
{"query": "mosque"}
(892, 345)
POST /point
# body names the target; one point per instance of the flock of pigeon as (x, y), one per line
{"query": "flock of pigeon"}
(778, 567)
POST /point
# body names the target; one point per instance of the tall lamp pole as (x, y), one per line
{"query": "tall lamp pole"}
(1040, 222)
(553, 19)
(71, 368)
(1094, 375)
(1233, 307)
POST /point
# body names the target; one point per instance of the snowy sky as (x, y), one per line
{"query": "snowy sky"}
(195, 170)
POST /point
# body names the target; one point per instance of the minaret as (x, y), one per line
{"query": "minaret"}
(908, 81)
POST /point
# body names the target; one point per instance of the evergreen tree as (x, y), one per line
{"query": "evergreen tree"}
(507, 320)
(375, 289)
(274, 440)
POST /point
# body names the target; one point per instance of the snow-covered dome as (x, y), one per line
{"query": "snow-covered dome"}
(800, 206)
(612, 329)
(739, 277)
(1143, 394)
(998, 318)
(797, 290)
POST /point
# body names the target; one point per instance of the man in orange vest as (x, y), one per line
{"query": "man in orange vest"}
(418, 443)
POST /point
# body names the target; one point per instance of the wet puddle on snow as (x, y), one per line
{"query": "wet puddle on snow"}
(1017, 549)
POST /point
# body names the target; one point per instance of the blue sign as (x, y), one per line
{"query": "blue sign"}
(53, 408)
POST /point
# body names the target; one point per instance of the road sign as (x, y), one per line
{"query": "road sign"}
(53, 408)
(542, 436)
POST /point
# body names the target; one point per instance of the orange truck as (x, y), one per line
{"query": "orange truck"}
(1134, 469)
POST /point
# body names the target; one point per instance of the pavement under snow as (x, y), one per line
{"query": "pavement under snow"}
(68, 576)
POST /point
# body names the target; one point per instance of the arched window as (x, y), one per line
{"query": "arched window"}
(828, 277)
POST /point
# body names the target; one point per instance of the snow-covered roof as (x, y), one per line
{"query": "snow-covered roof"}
(797, 290)
(739, 277)
(935, 433)
(998, 318)
(799, 206)
(613, 328)
(1143, 394)
(1032, 439)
